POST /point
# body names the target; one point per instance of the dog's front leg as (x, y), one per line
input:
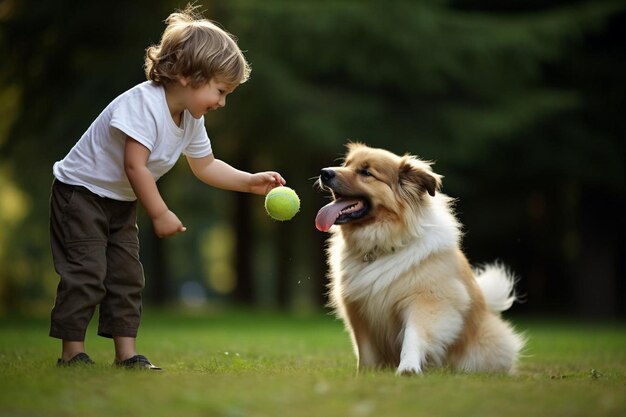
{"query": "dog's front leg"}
(413, 352)
(364, 347)
(367, 356)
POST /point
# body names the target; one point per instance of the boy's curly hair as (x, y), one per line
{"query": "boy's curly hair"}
(197, 49)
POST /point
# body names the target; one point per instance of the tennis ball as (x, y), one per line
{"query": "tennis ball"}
(282, 203)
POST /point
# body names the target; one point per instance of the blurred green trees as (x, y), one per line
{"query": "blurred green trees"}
(521, 106)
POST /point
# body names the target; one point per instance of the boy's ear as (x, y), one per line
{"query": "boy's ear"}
(184, 81)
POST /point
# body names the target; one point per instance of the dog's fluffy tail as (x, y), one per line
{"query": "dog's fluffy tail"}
(497, 285)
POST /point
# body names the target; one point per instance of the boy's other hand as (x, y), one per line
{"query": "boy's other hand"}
(167, 224)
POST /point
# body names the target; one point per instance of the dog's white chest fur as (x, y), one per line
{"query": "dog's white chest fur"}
(370, 266)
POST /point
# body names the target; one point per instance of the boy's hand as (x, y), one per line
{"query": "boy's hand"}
(167, 224)
(263, 182)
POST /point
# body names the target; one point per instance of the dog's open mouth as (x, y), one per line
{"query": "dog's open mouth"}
(340, 211)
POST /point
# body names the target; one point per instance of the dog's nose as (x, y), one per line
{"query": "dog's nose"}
(327, 174)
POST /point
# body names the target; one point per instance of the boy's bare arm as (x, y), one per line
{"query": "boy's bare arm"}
(165, 222)
(218, 173)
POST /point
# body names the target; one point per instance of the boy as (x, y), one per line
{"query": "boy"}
(131, 144)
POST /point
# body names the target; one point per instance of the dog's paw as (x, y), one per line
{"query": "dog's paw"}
(407, 369)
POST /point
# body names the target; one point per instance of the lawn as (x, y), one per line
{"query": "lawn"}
(267, 364)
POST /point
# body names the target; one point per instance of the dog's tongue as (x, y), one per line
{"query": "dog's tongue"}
(328, 214)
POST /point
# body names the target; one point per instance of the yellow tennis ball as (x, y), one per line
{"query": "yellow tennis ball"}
(282, 203)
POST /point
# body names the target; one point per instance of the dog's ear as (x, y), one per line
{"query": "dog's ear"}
(416, 173)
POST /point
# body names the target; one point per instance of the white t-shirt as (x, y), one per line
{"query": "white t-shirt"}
(97, 160)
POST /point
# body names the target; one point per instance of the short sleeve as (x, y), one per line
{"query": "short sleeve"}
(199, 144)
(135, 116)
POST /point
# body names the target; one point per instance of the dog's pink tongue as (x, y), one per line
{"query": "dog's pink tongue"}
(328, 214)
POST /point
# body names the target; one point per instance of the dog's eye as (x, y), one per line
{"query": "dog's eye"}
(365, 172)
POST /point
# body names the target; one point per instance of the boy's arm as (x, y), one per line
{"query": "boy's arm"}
(218, 173)
(164, 221)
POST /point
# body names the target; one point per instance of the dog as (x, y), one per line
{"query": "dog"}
(398, 277)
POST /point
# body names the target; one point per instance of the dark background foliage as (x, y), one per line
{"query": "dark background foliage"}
(520, 104)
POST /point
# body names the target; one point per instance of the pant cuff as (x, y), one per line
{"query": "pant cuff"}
(64, 334)
(111, 333)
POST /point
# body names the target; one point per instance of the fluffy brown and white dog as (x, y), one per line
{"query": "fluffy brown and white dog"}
(398, 278)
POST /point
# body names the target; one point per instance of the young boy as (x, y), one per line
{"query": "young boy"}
(131, 144)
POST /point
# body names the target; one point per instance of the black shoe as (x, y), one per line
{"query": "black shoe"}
(137, 362)
(78, 360)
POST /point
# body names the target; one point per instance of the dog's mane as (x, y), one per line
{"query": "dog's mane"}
(432, 228)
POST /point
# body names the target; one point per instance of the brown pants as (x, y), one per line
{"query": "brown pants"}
(95, 247)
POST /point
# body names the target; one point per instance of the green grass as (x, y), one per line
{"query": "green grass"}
(266, 364)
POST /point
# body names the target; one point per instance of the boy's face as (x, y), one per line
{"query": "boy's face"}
(209, 96)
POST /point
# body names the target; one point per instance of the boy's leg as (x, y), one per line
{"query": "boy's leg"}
(78, 242)
(71, 348)
(126, 355)
(120, 311)
(125, 348)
